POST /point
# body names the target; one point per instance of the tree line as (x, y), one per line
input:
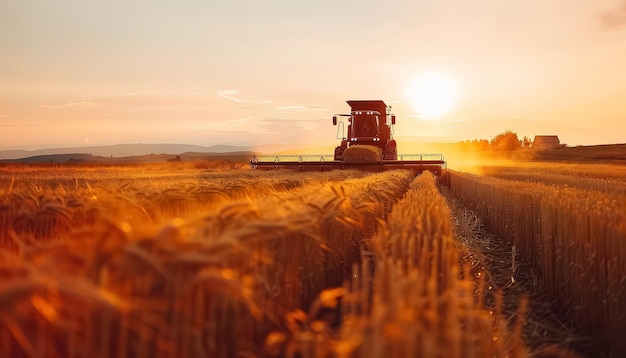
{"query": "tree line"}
(503, 142)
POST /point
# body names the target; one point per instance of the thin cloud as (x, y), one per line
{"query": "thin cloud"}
(464, 120)
(284, 109)
(279, 124)
(71, 105)
(229, 94)
(431, 119)
(12, 124)
(418, 116)
(615, 18)
(164, 93)
(138, 98)
(234, 124)
(239, 121)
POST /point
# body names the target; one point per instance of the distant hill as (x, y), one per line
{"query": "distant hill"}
(60, 158)
(123, 150)
(148, 158)
(134, 150)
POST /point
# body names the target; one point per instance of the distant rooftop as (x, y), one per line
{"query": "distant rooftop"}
(546, 141)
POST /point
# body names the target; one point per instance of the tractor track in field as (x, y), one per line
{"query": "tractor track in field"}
(546, 332)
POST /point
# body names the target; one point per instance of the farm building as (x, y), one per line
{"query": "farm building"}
(546, 141)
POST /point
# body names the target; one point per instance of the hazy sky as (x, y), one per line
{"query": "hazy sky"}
(76, 72)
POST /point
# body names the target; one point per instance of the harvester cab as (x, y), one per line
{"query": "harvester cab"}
(367, 144)
(369, 123)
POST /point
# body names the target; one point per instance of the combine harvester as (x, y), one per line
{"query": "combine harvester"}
(368, 146)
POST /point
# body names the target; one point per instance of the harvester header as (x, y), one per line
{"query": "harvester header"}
(367, 144)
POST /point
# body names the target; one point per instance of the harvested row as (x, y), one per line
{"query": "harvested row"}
(575, 241)
(212, 285)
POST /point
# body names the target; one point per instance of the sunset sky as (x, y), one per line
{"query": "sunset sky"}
(77, 72)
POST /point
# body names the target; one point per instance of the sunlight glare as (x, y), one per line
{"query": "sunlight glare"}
(432, 94)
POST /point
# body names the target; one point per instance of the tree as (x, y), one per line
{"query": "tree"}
(506, 142)
(481, 145)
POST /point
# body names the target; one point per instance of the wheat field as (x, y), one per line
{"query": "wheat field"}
(188, 260)
(567, 224)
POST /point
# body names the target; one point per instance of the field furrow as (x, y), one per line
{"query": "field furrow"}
(413, 297)
(573, 239)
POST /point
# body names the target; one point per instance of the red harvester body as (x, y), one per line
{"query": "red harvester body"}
(369, 124)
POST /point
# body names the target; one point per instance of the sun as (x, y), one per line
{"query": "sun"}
(432, 94)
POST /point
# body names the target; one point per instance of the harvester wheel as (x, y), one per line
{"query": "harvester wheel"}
(339, 153)
(391, 151)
